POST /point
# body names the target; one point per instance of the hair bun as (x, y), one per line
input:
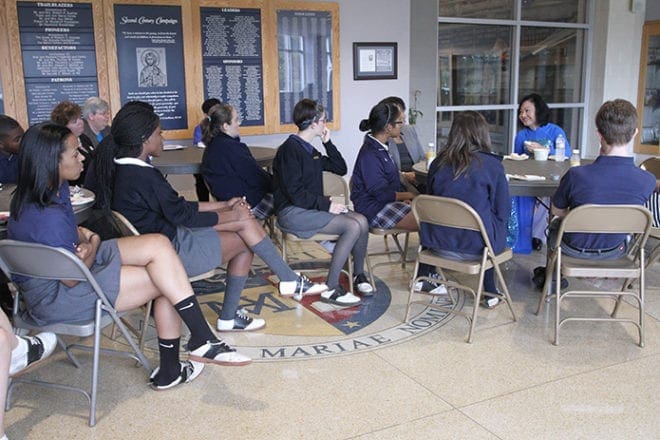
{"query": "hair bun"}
(364, 125)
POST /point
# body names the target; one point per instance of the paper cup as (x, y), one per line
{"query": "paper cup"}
(541, 153)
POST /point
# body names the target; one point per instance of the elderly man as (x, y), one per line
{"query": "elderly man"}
(611, 179)
(96, 116)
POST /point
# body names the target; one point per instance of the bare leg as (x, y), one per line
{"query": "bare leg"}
(408, 222)
(7, 341)
(250, 231)
(235, 253)
(151, 268)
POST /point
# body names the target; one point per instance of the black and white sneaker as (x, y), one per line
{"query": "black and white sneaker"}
(241, 323)
(301, 287)
(436, 286)
(189, 371)
(339, 297)
(363, 285)
(31, 350)
(218, 352)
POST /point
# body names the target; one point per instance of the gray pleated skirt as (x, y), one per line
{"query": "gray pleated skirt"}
(50, 301)
(199, 249)
(303, 222)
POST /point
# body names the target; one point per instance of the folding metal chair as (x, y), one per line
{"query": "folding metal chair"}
(334, 186)
(126, 229)
(40, 261)
(453, 213)
(601, 219)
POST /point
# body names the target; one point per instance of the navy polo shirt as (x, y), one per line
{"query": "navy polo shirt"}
(609, 180)
(55, 225)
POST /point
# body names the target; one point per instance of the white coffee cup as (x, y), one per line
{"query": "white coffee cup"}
(541, 153)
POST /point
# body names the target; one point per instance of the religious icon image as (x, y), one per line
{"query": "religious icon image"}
(151, 73)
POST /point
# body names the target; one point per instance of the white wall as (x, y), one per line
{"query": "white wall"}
(362, 21)
(617, 41)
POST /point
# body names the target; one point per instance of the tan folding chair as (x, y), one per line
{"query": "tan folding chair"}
(335, 187)
(399, 252)
(652, 165)
(601, 219)
(126, 229)
(453, 213)
(40, 261)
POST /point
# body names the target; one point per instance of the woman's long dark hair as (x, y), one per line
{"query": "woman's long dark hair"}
(380, 115)
(468, 135)
(212, 125)
(131, 126)
(38, 166)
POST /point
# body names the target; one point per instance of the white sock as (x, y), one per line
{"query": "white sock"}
(4, 437)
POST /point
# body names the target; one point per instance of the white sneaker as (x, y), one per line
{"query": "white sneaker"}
(218, 352)
(189, 371)
(31, 350)
(338, 296)
(301, 287)
(242, 322)
(363, 285)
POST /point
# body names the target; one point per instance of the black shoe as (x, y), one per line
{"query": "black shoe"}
(490, 302)
(537, 244)
(189, 371)
(539, 279)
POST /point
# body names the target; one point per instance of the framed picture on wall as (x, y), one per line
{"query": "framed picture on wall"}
(374, 61)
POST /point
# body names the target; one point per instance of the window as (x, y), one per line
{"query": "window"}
(491, 53)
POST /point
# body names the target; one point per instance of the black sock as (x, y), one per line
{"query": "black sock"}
(170, 368)
(489, 281)
(192, 316)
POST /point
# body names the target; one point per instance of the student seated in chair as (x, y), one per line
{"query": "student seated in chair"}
(377, 192)
(303, 210)
(611, 179)
(205, 234)
(131, 271)
(228, 166)
(466, 170)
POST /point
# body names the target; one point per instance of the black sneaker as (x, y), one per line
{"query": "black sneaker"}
(189, 371)
(242, 322)
(539, 279)
(218, 352)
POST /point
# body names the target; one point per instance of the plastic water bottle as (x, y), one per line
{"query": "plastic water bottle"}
(430, 154)
(560, 148)
(512, 226)
(575, 158)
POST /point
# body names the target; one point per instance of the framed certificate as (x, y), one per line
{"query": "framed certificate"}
(374, 61)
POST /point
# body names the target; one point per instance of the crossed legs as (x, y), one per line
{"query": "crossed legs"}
(353, 231)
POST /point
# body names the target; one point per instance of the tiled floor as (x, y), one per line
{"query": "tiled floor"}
(511, 383)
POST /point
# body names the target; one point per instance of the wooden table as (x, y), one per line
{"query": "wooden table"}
(189, 160)
(551, 170)
(81, 211)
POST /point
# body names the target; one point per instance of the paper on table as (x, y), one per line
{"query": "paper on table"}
(516, 156)
(528, 177)
(173, 147)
